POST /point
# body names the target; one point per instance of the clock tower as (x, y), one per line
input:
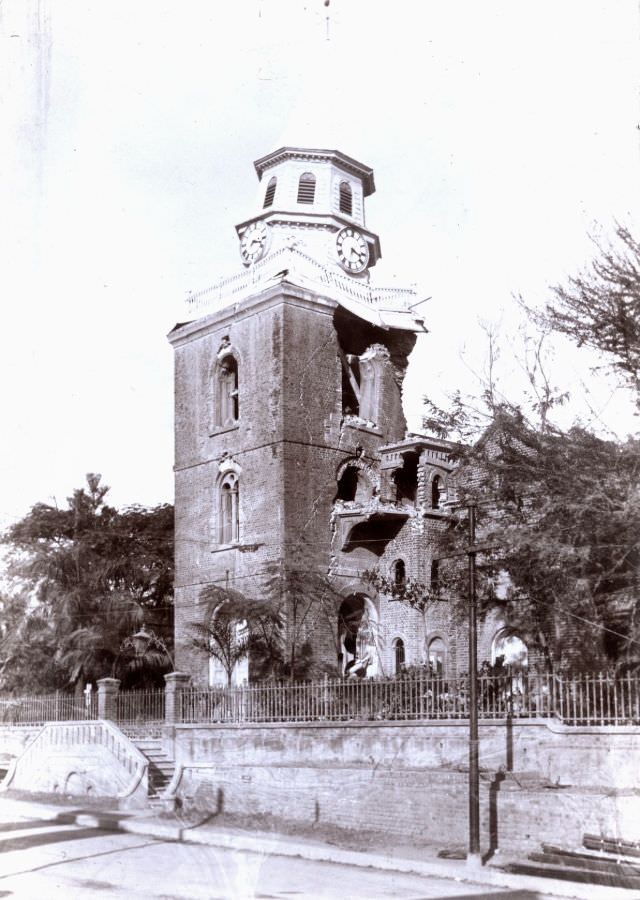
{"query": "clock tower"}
(312, 200)
(288, 381)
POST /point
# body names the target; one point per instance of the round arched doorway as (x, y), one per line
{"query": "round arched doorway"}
(357, 636)
(510, 649)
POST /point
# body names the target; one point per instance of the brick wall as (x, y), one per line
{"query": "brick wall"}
(288, 445)
(410, 780)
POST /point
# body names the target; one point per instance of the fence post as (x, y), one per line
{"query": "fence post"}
(175, 684)
(107, 698)
(325, 697)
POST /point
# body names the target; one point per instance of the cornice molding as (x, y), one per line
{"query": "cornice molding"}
(278, 294)
(304, 154)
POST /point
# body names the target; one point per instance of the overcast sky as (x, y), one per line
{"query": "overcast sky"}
(501, 133)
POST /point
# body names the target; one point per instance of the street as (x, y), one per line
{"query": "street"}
(54, 860)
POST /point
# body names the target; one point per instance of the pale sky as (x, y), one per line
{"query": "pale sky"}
(501, 133)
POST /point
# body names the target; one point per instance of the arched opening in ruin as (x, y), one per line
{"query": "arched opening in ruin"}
(357, 636)
(406, 479)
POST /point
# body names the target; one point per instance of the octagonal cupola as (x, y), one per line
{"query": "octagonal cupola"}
(313, 200)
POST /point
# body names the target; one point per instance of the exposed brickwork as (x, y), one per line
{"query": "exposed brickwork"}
(410, 780)
(290, 440)
(288, 447)
(350, 797)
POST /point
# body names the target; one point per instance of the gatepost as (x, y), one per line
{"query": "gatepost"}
(107, 698)
(175, 684)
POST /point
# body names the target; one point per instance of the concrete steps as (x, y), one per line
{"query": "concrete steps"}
(161, 766)
(602, 868)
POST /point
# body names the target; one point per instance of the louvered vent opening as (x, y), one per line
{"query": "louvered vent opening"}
(306, 188)
(346, 198)
(270, 192)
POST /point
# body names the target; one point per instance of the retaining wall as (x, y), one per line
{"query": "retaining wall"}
(540, 781)
(590, 756)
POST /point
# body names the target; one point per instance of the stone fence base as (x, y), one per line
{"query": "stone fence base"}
(410, 781)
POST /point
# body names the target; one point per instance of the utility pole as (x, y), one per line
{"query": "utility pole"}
(473, 856)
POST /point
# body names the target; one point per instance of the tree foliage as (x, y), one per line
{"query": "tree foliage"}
(411, 591)
(559, 513)
(600, 308)
(237, 628)
(308, 601)
(273, 631)
(558, 510)
(83, 579)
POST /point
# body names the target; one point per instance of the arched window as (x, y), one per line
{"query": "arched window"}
(358, 636)
(346, 198)
(228, 510)
(399, 573)
(270, 192)
(509, 650)
(306, 188)
(229, 651)
(436, 492)
(437, 656)
(435, 576)
(398, 655)
(227, 407)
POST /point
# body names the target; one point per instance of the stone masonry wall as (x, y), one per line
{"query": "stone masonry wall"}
(288, 444)
(287, 447)
(410, 780)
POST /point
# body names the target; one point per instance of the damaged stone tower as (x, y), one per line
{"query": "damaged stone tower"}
(291, 448)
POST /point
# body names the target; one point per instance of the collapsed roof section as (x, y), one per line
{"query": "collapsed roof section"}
(385, 308)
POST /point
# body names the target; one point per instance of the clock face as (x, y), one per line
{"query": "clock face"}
(353, 250)
(253, 242)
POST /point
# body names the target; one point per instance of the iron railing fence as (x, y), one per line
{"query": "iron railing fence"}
(580, 700)
(139, 707)
(40, 709)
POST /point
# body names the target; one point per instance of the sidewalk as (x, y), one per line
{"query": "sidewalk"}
(420, 861)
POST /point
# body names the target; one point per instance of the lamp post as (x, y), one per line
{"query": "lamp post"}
(141, 640)
(473, 853)
(473, 856)
(140, 643)
(144, 639)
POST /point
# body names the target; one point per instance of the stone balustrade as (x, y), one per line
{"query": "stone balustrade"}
(82, 758)
(302, 269)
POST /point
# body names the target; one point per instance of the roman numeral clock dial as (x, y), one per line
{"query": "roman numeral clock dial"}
(352, 249)
(253, 243)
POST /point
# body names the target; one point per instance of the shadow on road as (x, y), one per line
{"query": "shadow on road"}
(499, 895)
(48, 837)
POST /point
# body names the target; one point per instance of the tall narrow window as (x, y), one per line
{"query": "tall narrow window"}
(346, 198)
(398, 655)
(406, 479)
(399, 573)
(228, 518)
(306, 188)
(350, 384)
(270, 192)
(227, 405)
(436, 492)
(435, 576)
